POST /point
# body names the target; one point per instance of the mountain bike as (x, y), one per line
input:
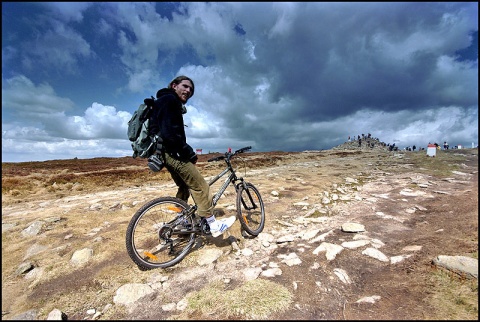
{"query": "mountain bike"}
(163, 231)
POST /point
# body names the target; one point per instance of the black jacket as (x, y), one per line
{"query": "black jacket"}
(167, 122)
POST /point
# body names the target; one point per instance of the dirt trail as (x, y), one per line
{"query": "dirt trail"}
(399, 202)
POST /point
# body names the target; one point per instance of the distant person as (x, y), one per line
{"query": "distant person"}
(413, 148)
(167, 122)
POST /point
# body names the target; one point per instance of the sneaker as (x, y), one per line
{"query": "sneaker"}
(221, 226)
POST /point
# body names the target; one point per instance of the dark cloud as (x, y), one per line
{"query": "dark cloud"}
(277, 75)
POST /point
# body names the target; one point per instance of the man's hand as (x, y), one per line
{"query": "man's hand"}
(194, 159)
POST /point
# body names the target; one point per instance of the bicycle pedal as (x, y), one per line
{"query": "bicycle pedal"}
(204, 227)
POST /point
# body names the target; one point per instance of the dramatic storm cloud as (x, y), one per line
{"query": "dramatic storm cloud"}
(276, 76)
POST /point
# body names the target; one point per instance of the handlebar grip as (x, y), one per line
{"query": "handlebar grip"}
(221, 157)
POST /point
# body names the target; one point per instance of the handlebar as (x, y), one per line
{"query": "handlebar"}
(228, 155)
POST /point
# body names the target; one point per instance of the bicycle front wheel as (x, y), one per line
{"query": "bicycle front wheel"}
(250, 209)
(154, 239)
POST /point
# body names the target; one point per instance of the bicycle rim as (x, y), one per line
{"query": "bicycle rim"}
(250, 209)
(152, 241)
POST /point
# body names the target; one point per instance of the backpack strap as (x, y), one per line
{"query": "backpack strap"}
(159, 148)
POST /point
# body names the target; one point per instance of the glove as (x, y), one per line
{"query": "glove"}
(194, 159)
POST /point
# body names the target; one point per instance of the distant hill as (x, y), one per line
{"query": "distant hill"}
(363, 144)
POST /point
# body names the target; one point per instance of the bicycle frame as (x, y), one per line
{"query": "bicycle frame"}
(232, 178)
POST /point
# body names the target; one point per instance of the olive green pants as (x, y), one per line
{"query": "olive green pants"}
(190, 181)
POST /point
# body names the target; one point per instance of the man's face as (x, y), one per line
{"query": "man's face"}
(183, 90)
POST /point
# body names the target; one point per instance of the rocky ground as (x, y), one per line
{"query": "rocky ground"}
(410, 208)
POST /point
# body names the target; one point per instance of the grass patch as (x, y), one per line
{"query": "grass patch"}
(318, 214)
(441, 165)
(455, 298)
(256, 299)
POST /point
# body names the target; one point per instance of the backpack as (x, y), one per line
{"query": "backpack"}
(143, 144)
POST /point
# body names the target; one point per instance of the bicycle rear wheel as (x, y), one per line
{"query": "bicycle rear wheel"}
(250, 209)
(154, 239)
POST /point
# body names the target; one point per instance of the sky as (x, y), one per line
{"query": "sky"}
(277, 76)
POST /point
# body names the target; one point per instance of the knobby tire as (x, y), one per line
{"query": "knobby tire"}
(250, 209)
(151, 242)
